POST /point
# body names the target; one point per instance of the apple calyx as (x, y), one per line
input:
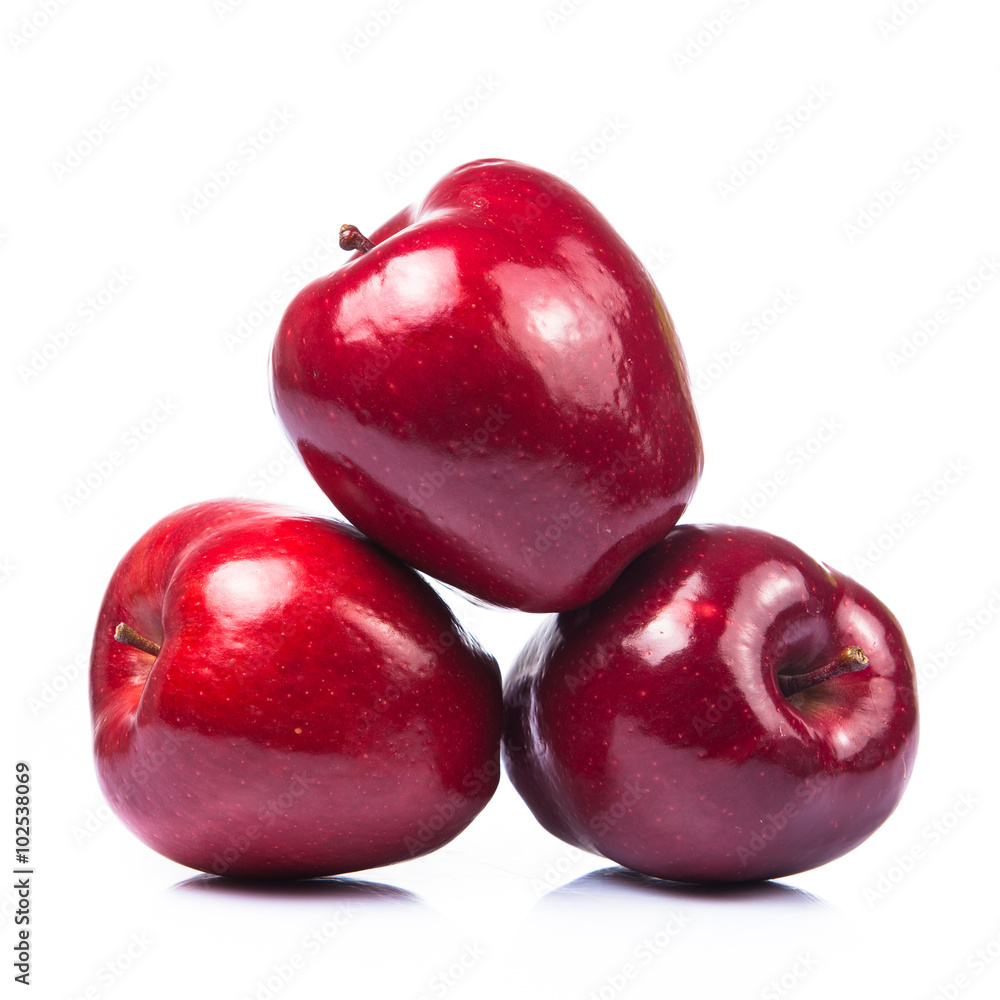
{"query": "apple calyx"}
(849, 661)
(128, 635)
(351, 238)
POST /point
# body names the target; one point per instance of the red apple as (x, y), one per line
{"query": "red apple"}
(729, 710)
(284, 699)
(491, 388)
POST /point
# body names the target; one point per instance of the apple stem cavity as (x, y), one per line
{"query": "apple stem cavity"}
(128, 635)
(849, 661)
(351, 238)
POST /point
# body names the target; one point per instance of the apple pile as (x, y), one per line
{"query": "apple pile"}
(492, 392)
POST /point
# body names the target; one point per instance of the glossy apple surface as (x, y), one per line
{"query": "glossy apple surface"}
(653, 726)
(494, 391)
(312, 708)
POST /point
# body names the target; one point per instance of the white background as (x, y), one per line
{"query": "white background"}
(811, 431)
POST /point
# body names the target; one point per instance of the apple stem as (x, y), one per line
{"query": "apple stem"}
(128, 635)
(351, 238)
(849, 661)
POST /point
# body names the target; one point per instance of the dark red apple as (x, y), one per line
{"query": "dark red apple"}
(492, 389)
(273, 696)
(729, 710)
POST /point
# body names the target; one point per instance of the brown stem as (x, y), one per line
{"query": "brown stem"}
(128, 635)
(849, 661)
(351, 238)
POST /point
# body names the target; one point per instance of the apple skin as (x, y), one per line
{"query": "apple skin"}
(314, 707)
(649, 727)
(494, 392)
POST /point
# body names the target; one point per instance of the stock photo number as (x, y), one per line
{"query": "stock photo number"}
(22, 873)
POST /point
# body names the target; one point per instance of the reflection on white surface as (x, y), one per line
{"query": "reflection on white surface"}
(303, 890)
(620, 886)
(486, 933)
(642, 936)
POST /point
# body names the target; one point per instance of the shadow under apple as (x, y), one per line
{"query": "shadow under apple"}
(620, 884)
(336, 889)
(616, 908)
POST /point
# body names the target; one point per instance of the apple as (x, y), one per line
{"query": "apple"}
(274, 696)
(730, 710)
(491, 388)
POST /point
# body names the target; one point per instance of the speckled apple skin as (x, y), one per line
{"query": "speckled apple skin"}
(649, 726)
(314, 708)
(495, 392)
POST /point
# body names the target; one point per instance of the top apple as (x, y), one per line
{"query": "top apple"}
(492, 389)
